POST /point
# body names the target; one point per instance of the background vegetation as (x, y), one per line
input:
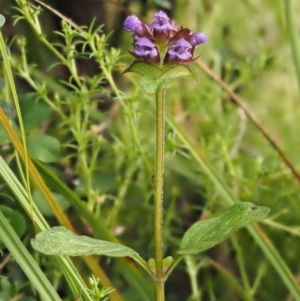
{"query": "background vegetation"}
(90, 132)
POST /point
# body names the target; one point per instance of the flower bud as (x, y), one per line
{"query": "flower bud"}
(197, 38)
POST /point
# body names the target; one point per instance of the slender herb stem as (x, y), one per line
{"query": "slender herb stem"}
(160, 291)
(158, 192)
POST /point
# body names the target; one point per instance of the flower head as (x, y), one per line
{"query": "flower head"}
(181, 50)
(161, 22)
(144, 48)
(164, 41)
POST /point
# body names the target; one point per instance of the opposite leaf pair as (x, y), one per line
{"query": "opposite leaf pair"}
(201, 236)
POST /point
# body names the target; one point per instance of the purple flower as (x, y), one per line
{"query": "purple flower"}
(132, 23)
(197, 38)
(161, 22)
(181, 50)
(144, 48)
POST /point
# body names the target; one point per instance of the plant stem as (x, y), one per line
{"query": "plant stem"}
(158, 192)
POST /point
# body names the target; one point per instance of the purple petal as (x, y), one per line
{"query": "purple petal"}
(161, 22)
(131, 23)
(181, 50)
(161, 15)
(144, 47)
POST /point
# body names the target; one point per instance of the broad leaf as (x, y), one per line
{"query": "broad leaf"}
(34, 111)
(144, 68)
(177, 72)
(60, 241)
(44, 148)
(149, 83)
(205, 234)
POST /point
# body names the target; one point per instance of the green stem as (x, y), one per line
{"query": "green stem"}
(160, 291)
(158, 192)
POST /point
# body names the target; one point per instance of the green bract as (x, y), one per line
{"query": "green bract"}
(155, 79)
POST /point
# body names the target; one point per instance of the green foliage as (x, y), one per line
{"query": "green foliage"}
(60, 241)
(15, 219)
(204, 235)
(105, 127)
(155, 79)
(44, 148)
(35, 111)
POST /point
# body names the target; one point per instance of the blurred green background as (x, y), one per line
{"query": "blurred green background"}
(248, 47)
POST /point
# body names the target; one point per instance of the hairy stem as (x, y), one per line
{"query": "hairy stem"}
(158, 192)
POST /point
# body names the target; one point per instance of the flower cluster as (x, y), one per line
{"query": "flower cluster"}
(164, 41)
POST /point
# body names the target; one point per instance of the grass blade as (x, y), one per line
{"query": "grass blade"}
(26, 261)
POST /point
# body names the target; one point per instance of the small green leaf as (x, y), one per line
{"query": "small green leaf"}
(2, 20)
(60, 241)
(44, 148)
(15, 219)
(149, 83)
(34, 111)
(205, 234)
(167, 263)
(176, 72)
(144, 68)
(152, 265)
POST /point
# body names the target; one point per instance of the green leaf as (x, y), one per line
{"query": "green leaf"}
(2, 20)
(8, 109)
(166, 83)
(15, 219)
(205, 234)
(44, 148)
(149, 83)
(34, 111)
(177, 72)
(43, 206)
(143, 68)
(60, 241)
